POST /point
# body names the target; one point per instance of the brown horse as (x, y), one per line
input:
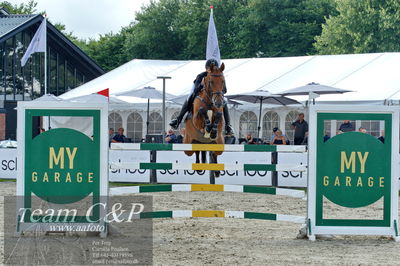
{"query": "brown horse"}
(206, 121)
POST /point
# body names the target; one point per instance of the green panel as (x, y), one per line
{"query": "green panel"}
(259, 167)
(260, 216)
(156, 146)
(338, 181)
(158, 214)
(156, 188)
(261, 190)
(62, 165)
(249, 147)
(156, 166)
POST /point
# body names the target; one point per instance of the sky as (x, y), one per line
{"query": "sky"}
(90, 18)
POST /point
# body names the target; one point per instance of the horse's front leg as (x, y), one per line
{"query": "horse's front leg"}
(214, 130)
(207, 115)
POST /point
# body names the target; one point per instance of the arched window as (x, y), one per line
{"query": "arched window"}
(175, 115)
(270, 120)
(114, 121)
(290, 118)
(155, 124)
(248, 124)
(135, 127)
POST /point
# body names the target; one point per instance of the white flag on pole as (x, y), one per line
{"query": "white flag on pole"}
(38, 43)
(212, 41)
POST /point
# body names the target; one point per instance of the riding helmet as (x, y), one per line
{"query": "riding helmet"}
(211, 62)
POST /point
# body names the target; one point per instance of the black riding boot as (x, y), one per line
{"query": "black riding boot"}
(228, 128)
(175, 122)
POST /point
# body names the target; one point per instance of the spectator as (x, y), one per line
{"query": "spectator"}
(279, 139)
(120, 137)
(362, 130)
(382, 136)
(274, 134)
(41, 130)
(250, 139)
(171, 137)
(326, 136)
(111, 134)
(300, 128)
(346, 126)
(179, 139)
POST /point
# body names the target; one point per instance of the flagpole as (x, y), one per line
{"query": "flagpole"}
(45, 60)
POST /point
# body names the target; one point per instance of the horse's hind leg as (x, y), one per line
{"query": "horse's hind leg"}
(213, 159)
(198, 160)
(204, 157)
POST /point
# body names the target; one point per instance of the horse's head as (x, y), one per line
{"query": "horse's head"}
(214, 84)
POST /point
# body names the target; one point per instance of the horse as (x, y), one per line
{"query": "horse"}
(205, 123)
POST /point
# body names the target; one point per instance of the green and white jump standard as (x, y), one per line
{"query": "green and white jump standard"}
(207, 187)
(353, 170)
(61, 167)
(219, 214)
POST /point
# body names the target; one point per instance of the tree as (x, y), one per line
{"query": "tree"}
(108, 51)
(28, 8)
(154, 34)
(193, 24)
(280, 28)
(368, 26)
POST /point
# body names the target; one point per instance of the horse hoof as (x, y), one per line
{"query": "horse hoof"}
(207, 135)
(217, 173)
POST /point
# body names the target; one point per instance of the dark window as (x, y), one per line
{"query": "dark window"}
(52, 86)
(9, 54)
(2, 85)
(19, 78)
(61, 75)
(27, 69)
(70, 77)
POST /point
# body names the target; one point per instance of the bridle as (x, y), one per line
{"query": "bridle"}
(210, 94)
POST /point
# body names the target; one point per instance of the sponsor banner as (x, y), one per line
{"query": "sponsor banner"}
(8, 160)
(8, 168)
(227, 177)
(290, 178)
(129, 175)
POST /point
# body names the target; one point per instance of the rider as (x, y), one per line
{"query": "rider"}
(197, 86)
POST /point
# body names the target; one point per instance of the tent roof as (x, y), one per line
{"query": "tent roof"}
(369, 76)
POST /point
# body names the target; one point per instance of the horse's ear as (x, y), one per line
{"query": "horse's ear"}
(222, 67)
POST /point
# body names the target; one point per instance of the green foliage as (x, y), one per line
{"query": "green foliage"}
(154, 33)
(280, 28)
(367, 26)
(177, 29)
(108, 50)
(23, 8)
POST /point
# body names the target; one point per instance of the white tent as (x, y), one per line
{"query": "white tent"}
(369, 76)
